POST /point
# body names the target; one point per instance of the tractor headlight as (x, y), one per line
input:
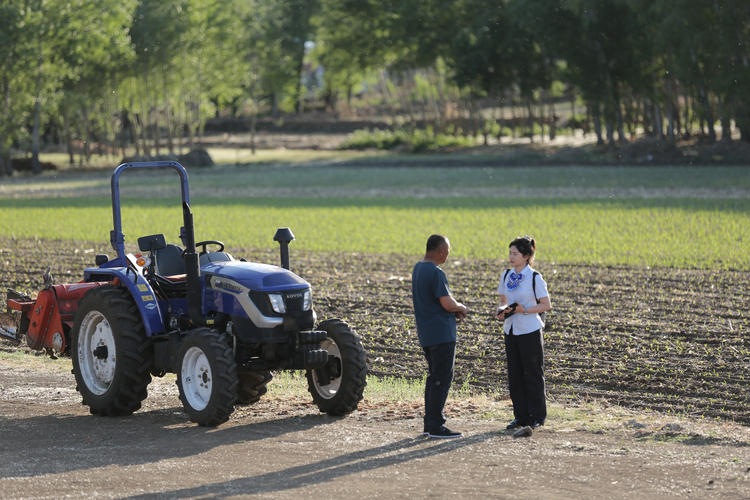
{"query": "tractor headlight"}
(277, 302)
(307, 300)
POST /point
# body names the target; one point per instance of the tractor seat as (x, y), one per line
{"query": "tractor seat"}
(168, 261)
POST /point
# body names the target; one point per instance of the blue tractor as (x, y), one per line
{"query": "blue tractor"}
(222, 325)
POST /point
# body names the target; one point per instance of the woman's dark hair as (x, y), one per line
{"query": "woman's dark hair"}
(526, 245)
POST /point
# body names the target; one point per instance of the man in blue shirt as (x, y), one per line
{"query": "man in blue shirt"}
(436, 313)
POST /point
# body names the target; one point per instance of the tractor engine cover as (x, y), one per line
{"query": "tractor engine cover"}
(241, 290)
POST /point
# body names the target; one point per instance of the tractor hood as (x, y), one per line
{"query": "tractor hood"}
(257, 277)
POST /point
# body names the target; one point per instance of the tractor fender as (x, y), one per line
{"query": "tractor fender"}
(142, 292)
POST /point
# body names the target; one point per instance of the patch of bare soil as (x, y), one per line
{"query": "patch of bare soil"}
(623, 344)
(52, 448)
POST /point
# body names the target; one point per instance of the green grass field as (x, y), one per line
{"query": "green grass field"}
(675, 231)
(287, 170)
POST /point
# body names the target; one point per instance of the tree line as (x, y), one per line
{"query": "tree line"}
(147, 72)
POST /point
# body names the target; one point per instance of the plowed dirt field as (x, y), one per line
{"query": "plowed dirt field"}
(671, 340)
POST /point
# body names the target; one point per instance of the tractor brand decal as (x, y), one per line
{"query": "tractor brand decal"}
(151, 306)
(294, 296)
(146, 298)
(143, 288)
(227, 286)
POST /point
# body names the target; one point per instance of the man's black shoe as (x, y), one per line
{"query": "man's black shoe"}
(445, 433)
(514, 424)
(535, 423)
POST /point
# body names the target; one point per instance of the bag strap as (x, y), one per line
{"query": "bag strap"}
(533, 282)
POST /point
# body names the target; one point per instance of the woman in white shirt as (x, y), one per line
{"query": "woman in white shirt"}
(523, 296)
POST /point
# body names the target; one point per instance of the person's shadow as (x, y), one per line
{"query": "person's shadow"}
(324, 470)
(52, 444)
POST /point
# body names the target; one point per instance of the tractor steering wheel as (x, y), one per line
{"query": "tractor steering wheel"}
(204, 243)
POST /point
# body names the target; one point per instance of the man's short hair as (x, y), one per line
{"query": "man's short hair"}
(435, 242)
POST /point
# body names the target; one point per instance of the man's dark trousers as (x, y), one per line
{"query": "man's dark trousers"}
(441, 359)
(526, 376)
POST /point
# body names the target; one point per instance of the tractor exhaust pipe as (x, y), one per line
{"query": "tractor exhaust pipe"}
(284, 236)
(193, 270)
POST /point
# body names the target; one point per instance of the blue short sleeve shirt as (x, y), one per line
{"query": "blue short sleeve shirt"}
(435, 325)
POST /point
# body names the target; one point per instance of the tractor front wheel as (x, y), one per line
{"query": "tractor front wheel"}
(110, 352)
(338, 386)
(207, 377)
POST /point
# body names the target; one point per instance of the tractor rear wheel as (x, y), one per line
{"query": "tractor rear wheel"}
(207, 377)
(338, 386)
(110, 353)
(252, 386)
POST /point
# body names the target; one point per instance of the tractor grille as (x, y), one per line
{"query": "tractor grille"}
(293, 300)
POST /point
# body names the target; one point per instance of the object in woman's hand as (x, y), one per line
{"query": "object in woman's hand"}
(509, 310)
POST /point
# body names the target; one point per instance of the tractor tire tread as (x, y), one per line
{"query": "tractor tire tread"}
(354, 380)
(253, 386)
(221, 406)
(129, 386)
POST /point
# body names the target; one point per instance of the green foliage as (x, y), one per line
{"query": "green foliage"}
(417, 140)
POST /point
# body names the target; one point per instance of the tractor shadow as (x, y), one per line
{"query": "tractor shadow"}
(54, 444)
(326, 471)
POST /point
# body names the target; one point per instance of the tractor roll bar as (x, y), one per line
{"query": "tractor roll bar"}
(116, 236)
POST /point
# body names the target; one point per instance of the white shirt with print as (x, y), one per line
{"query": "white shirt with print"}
(524, 295)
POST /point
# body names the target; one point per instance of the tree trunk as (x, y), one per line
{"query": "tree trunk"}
(5, 168)
(254, 123)
(598, 125)
(274, 106)
(189, 124)
(553, 120)
(709, 114)
(541, 113)
(530, 122)
(143, 122)
(87, 133)
(686, 119)
(119, 136)
(168, 118)
(68, 138)
(35, 165)
(572, 93)
(726, 126)
(153, 106)
(620, 124)
(442, 103)
(298, 92)
(670, 110)
(658, 122)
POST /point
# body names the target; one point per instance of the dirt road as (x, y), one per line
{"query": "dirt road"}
(51, 448)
